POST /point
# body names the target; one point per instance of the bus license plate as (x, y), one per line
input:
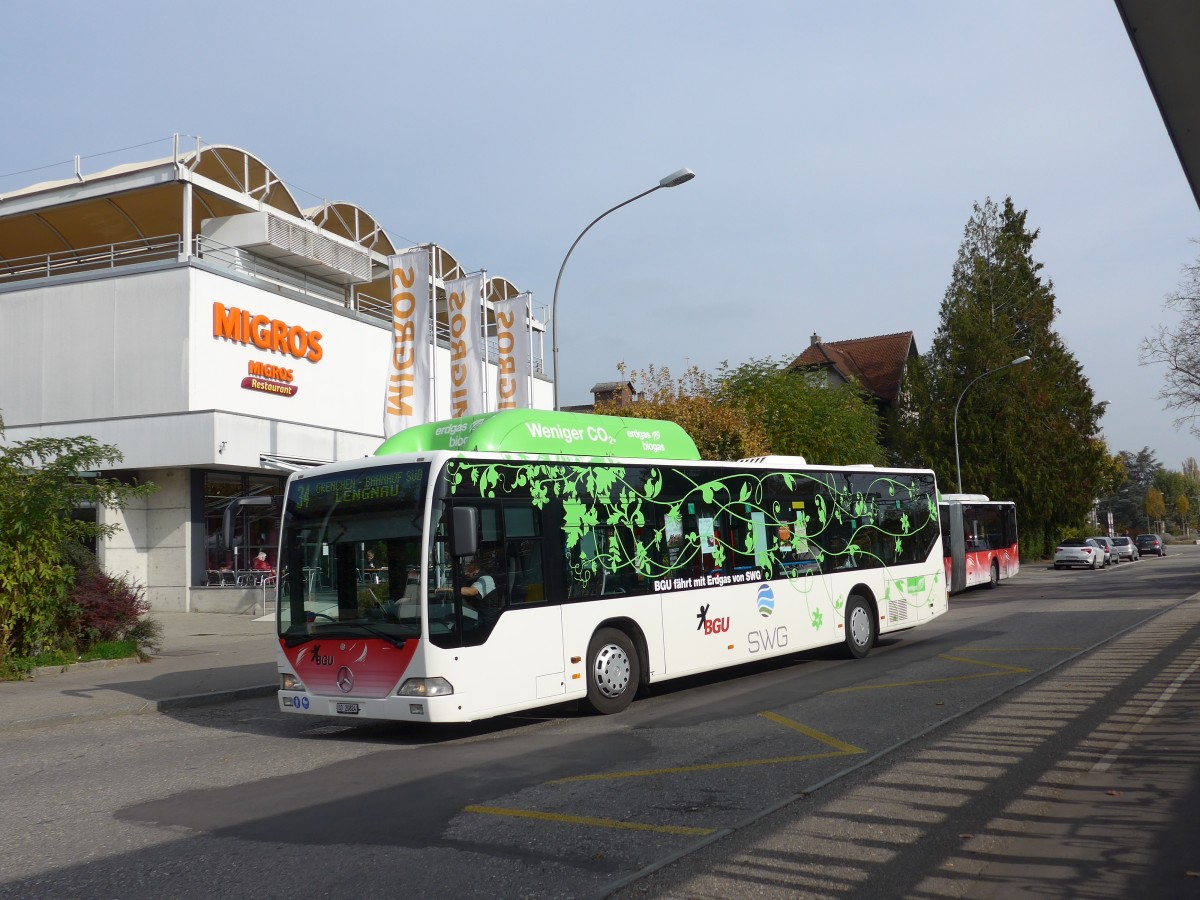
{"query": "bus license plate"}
(348, 708)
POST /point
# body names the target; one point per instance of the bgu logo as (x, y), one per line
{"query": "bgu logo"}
(318, 659)
(711, 626)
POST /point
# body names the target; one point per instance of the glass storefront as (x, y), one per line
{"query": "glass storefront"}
(255, 528)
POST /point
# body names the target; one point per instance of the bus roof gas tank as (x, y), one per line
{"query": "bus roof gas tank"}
(538, 432)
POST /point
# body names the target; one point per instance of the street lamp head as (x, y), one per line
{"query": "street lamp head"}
(673, 180)
(676, 178)
(1019, 360)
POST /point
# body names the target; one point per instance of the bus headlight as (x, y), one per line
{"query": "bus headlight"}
(426, 687)
(289, 682)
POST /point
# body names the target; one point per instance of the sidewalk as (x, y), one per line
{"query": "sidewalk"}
(204, 658)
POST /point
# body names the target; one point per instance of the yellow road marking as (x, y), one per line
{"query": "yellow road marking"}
(833, 742)
(1016, 670)
(1004, 670)
(840, 748)
(587, 820)
(706, 767)
(1025, 649)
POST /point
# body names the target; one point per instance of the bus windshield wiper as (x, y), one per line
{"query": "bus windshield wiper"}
(390, 638)
(295, 640)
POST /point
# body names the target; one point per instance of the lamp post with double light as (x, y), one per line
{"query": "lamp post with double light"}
(958, 465)
(673, 180)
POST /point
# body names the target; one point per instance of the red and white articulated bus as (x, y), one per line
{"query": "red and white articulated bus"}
(979, 537)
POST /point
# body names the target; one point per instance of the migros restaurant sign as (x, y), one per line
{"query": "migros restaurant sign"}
(272, 335)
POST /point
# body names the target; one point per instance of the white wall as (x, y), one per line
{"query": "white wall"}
(154, 542)
(95, 349)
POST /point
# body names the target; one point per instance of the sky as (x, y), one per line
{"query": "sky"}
(838, 151)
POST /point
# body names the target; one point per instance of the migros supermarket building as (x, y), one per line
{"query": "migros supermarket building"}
(190, 312)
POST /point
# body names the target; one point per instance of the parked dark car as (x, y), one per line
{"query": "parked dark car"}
(1150, 545)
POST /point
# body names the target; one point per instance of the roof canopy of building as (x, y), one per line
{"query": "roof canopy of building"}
(875, 363)
(1165, 35)
(128, 208)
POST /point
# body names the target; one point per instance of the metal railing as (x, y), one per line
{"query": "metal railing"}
(88, 259)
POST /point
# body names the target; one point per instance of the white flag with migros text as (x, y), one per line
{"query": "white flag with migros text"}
(513, 352)
(408, 386)
(464, 304)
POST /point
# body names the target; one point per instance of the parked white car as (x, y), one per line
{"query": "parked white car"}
(1079, 552)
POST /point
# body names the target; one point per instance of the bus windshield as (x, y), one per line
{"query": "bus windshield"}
(351, 554)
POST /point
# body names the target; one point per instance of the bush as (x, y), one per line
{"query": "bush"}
(104, 607)
(40, 486)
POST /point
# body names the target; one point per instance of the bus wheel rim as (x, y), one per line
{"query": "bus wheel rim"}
(860, 626)
(611, 670)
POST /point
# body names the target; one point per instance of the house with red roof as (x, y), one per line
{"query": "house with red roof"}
(875, 364)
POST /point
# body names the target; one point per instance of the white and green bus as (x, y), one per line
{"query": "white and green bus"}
(524, 558)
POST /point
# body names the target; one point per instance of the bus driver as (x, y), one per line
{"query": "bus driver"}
(481, 584)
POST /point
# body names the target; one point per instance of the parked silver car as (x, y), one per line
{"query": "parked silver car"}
(1126, 548)
(1111, 557)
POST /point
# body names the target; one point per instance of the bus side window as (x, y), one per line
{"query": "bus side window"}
(524, 579)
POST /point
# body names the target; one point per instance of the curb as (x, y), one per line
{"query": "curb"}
(190, 701)
(42, 671)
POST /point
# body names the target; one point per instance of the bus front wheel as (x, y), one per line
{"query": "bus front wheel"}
(994, 575)
(613, 671)
(860, 627)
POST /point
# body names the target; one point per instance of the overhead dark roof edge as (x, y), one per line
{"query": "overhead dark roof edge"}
(1155, 76)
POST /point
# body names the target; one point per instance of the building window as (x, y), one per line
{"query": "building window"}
(255, 528)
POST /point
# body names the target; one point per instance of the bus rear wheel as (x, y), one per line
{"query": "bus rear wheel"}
(860, 627)
(614, 671)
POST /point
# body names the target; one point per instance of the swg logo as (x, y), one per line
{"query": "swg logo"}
(766, 600)
(761, 641)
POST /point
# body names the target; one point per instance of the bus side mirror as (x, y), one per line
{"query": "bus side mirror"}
(466, 527)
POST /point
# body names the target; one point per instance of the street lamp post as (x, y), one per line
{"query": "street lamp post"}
(958, 465)
(673, 180)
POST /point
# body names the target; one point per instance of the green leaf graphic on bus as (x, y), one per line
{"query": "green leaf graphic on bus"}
(625, 527)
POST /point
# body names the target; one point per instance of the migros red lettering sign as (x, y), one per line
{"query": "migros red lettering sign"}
(276, 336)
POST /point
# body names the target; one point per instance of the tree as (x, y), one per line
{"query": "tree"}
(721, 430)
(41, 483)
(1156, 506)
(758, 408)
(1177, 491)
(1191, 470)
(801, 415)
(1029, 433)
(1127, 498)
(1179, 351)
(1141, 468)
